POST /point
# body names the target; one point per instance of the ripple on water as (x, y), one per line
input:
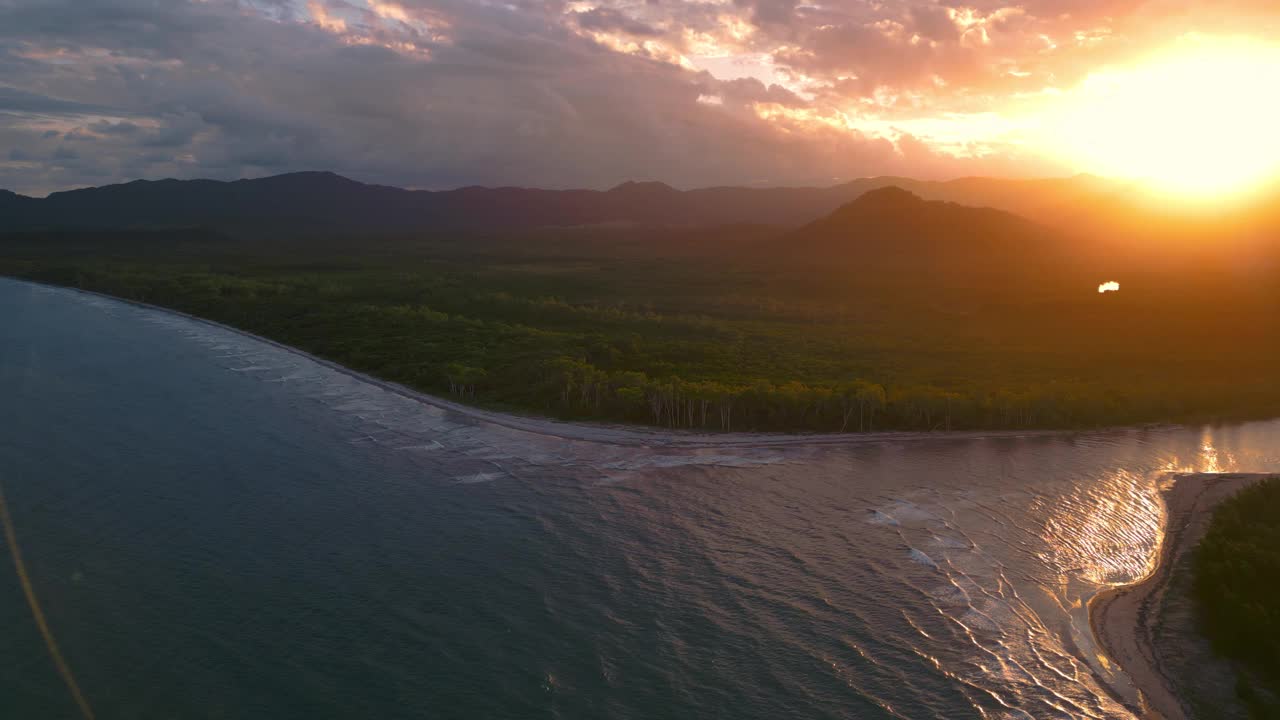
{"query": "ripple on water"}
(919, 579)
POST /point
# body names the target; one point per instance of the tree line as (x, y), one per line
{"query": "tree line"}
(680, 350)
(1236, 586)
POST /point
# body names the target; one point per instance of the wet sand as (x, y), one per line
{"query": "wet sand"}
(1125, 620)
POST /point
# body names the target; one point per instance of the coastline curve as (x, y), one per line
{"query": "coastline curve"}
(1124, 620)
(609, 433)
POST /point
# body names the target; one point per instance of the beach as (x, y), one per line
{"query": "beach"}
(645, 436)
(1126, 621)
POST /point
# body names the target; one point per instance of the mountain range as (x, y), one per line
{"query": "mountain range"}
(884, 222)
(310, 202)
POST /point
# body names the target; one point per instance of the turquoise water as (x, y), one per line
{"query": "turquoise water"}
(219, 528)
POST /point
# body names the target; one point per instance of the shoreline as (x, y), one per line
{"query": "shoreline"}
(639, 436)
(1123, 619)
(613, 433)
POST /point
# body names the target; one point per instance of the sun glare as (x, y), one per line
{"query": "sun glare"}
(1203, 122)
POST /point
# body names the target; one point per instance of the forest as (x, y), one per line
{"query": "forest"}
(1236, 582)
(703, 330)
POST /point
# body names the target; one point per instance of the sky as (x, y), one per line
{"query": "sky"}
(438, 94)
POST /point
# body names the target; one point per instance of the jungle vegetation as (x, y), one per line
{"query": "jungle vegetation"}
(703, 330)
(1237, 581)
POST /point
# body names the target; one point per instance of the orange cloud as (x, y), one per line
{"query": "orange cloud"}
(320, 16)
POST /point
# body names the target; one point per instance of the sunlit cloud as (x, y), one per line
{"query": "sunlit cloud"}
(320, 16)
(651, 49)
(1107, 287)
(380, 23)
(389, 10)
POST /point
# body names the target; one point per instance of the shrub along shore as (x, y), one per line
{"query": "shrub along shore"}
(1237, 582)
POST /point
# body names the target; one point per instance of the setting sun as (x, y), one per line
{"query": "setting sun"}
(1200, 123)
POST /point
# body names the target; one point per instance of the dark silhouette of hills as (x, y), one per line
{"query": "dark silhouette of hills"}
(12, 202)
(894, 231)
(955, 228)
(302, 200)
(323, 202)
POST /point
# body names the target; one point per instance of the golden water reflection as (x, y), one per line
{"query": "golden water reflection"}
(1208, 458)
(1106, 532)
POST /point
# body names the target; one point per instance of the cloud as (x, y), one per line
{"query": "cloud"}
(768, 13)
(15, 100)
(605, 19)
(555, 93)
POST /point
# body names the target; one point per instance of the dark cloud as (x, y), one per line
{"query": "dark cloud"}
(15, 100)
(107, 127)
(611, 20)
(770, 12)
(933, 22)
(746, 91)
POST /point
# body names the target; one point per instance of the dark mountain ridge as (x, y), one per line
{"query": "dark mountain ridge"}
(892, 230)
(323, 202)
(962, 227)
